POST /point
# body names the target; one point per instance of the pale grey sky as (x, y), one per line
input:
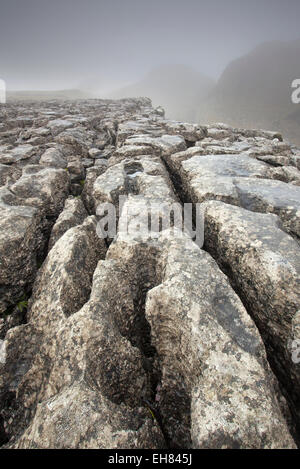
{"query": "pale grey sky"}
(70, 43)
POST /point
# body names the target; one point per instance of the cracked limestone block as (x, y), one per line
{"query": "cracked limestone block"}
(238, 180)
(260, 133)
(72, 215)
(109, 186)
(164, 145)
(85, 387)
(218, 134)
(191, 164)
(59, 125)
(20, 236)
(252, 194)
(287, 174)
(129, 151)
(271, 196)
(225, 165)
(36, 132)
(43, 188)
(63, 283)
(132, 128)
(87, 162)
(217, 389)
(190, 132)
(271, 151)
(80, 418)
(94, 153)
(277, 160)
(14, 155)
(240, 165)
(144, 176)
(263, 262)
(184, 155)
(154, 319)
(225, 157)
(87, 193)
(61, 288)
(53, 157)
(260, 148)
(209, 146)
(8, 174)
(77, 140)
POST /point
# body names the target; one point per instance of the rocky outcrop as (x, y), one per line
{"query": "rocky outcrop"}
(263, 263)
(210, 350)
(28, 208)
(73, 214)
(119, 329)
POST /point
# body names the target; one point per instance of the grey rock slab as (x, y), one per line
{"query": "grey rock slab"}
(53, 157)
(63, 283)
(79, 418)
(264, 264)
(79, 139)
(72, 215)
(87, 193)
(59, 125)
(217, 389)
(239, 180)
(21, 152)
(45, 188)
(61, 288)
(20, 237)
(190, 132)
(239, 165)
(144, 175)
(8, 174)
(166, 144)
(81, 385)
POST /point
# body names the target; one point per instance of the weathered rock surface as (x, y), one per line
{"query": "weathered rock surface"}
(239, 180)
(72, 215)
(264, 265)
(217, 388)
(133, 338)
(20, 237)
(53, 157)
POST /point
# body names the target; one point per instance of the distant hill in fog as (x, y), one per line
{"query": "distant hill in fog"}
(255, 91)
(177, 88)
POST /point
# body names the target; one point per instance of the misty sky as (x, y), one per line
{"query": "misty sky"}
(52, 44)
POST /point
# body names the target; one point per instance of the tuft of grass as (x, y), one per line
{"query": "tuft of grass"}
(22, 304)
